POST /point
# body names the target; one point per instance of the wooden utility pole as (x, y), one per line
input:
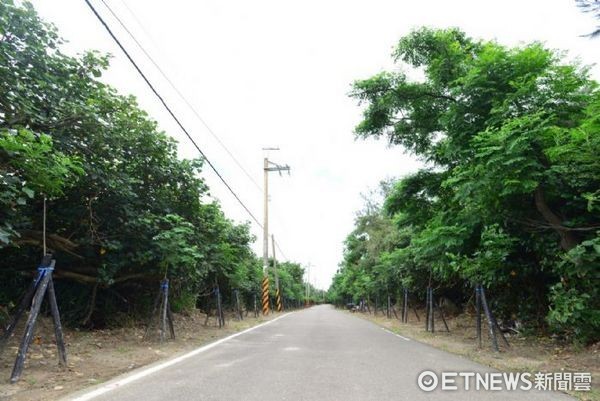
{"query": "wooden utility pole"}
(265, 282)
(267, 167)
(308, 284)
(266, 215)
(277, 289)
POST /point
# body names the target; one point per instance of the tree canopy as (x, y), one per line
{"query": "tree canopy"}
(509, 198)
(123, 210)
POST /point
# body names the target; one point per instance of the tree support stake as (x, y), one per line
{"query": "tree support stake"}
(481, 301)
(42, 285)
(431, 307)
(165, 316)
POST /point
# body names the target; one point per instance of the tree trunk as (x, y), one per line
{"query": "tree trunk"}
(88, 317)
(568, 240)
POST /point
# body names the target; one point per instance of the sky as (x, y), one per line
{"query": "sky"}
(273, 73)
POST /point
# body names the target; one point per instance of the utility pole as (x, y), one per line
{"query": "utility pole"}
(277, 289)
(266, 215)
(268, 167)
(308, 284)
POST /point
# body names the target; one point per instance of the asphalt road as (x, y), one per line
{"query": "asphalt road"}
(314, 354)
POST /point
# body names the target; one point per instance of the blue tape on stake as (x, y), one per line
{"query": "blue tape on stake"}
(42, 270)
(164, 285)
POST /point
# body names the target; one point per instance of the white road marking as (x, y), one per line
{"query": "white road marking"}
(397, 335)
(117, 383)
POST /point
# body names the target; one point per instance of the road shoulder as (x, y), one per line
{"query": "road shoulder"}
(524, 355)
(96, 357)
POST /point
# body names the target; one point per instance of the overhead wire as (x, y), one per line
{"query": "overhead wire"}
(177, 91)
(170, 111)
(182, 97)
(280, 251)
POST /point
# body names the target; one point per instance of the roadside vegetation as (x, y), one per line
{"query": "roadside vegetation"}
(123, 210)
(510, 193)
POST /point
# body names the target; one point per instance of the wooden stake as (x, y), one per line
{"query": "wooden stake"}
(218, 311)
(441, 312)
(427, 310)
(376, 304)
(42, 285)
(164, 286)
(490, 321)
(25, 302)
(388, 312)
(431, 312)
(416, 314)
(478, 313)
(494, 321)
(238, 307)
(30, 326)
(255, 307)
(405, 306)
(58, 333)
(220, 317)
(170, 321)
(165, 316)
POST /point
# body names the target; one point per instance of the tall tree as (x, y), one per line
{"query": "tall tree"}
(123, 209)
(506, 198)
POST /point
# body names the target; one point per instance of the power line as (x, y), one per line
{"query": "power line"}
(160, 98)
(179, 93)
(280, 251)
(136, 19)
(174, 87)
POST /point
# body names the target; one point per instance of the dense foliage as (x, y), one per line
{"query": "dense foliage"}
(123, 210)
(510, 195)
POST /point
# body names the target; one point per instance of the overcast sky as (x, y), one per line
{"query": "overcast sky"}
(277, 73)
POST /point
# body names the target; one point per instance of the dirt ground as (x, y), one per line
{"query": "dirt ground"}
(99, 355)
(526, 354)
